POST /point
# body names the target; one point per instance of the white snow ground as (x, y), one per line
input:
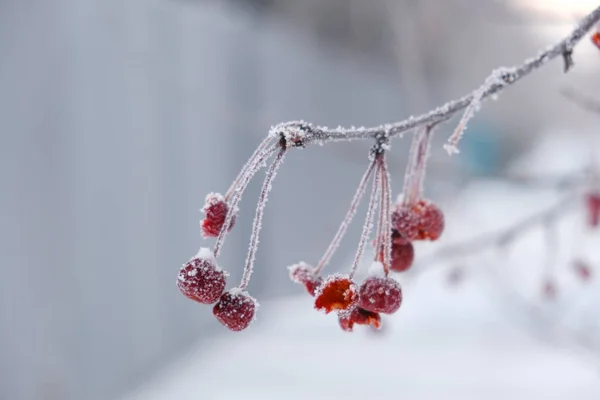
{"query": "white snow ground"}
(479, 340)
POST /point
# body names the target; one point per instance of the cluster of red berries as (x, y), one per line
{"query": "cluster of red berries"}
(353, 304)
(378, 293)
(202, 280)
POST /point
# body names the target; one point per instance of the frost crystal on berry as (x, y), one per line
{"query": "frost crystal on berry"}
(235, 309)
(304, 274)
(359, 316)
(216, 209)
(201, 279)
(337, 293)
(422, 220)
(380, 295)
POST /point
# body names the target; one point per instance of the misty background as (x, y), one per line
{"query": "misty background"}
(117, 117)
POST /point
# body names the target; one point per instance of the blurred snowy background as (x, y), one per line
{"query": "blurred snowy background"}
(118, 116)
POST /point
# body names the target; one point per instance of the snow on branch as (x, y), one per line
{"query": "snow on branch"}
(300, 133)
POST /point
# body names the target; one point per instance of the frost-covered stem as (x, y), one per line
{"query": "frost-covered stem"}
(347, 220)
(379, 232)
(368, 223)
(452, 145)
(417, 163)
(508, 76)
(257, 224)
(260, 150)
(237, 196)
(386, 194)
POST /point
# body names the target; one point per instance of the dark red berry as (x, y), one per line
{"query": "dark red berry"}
(593, 209)
(235, 309)
(359, 316)
(403, 253)
(380, 295)
(201, 279)
(420, 221)
(336, 293)
(582, 270)
(216, 209)
(304, 274)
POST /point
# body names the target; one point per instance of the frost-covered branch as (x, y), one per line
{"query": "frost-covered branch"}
(300, 134)
(498, 238)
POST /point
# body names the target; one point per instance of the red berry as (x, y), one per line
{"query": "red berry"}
(582, 270)
(420, 221)
(593, 209)
(235, 309)
(596, 39)
(403, 253)
(337, 292)
(305, 274)
(216, 209)
(380, 295)
(359, 316)
(201, 279)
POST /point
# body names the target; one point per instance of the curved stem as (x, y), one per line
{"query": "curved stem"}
(257, 224)
(251, 170)
(347, 220)
(368, 222)
(249, 164)
(387, 211)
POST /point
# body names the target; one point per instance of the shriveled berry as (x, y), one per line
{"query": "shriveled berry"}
(201, 279)
(582, 270)
(337, 293)
(359, 316)
(380, 295)
(235, 309)
(593, 209)
(304, 274)
(403, 253)
(216, 209)
(420, 221)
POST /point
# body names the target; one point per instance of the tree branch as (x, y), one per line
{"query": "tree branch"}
(300, 133)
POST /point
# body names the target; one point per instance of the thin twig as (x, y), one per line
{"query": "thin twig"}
(495, 239)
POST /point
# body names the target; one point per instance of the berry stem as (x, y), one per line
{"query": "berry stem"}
(368, 222)
(360, 191)
(257, 224)
(260, 150)
(251, 170)
(379, 256)
(386, 194)
(417, 163)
